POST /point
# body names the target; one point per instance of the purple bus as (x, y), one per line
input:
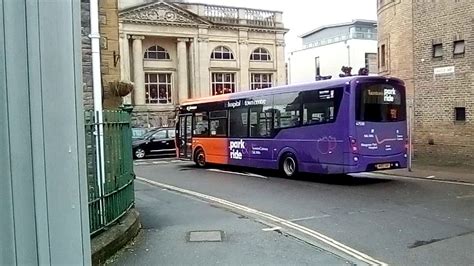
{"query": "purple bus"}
(347, 125)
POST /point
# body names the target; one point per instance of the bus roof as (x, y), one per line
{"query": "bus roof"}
(286, 88)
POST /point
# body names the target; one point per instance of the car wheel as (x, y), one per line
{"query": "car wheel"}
(289, 165)
(139, 153)
(200, 158)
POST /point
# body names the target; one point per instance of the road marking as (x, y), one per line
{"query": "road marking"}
(288, 224)
(310, 218)
(236, 173)
(413, 178)
(465, 196)
(271, 229)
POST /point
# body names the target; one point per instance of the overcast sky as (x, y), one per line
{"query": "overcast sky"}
(300, 16)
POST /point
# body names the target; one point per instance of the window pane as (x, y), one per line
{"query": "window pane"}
(201, 124)
(218, 114)
(261, 119)
(321, 106)
(380, 103)
(219, 127)
(160, 134)
(459, 47)
(437, 50)
(287, 110)
(171, 133)
(238, 122)
(162, 78)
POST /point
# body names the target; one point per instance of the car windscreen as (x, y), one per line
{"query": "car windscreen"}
(380, 103)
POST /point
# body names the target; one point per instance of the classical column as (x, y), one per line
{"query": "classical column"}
(182, 70)
(138, 74)
(280, 63)
(244, 59)
(191, 84)
(204, 59)
(125, 63)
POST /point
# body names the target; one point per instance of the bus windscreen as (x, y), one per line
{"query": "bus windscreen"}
(380, 103)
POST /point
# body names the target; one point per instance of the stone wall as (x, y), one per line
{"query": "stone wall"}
(153, 118)
(437, 134)
(108, 16)
(395, 31)
(86, 56)
(110, 50)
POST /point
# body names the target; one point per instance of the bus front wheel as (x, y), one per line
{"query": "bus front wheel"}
(200, 158)
(289, 165)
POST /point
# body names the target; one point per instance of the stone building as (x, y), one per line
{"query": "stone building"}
(110, 52)
(430, 45)
(176, 51)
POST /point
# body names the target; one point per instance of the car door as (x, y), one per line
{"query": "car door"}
(158, 141)
(171, 139)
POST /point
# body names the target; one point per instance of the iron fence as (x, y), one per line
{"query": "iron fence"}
(110, 195)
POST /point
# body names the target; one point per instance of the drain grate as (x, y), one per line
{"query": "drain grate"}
(205, 236)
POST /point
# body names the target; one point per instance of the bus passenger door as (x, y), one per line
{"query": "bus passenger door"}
(185, 136)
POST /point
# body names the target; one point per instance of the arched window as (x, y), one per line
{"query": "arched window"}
(156, 53)
(222, 53)
(260, 54)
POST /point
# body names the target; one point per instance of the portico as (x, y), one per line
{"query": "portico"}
(176, 51)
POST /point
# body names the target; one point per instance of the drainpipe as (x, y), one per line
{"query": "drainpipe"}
(97, 89)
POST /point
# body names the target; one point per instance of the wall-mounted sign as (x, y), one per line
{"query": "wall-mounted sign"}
(443, 70)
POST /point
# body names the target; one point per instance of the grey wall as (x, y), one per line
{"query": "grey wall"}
(43, 195)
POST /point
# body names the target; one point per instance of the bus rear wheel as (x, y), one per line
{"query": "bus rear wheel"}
(200, 158)
(289, 165)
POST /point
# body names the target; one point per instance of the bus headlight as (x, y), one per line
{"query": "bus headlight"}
(405, 155)
(356, 159)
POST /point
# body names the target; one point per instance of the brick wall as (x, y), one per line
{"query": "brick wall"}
(395, 30)
(437, 134)
(86, 56)
(109, 31)
(108, 12)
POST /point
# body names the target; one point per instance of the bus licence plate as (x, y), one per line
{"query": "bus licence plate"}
(383, 166)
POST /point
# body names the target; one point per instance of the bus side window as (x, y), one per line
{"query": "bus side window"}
(320, 106)
(218, 123)
(238, 122)
(286, 110)
(201, 124)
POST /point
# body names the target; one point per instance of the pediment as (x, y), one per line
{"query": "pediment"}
(161, 13)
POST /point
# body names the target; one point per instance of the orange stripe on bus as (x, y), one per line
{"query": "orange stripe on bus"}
(215, 149)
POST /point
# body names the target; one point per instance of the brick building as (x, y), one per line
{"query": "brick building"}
(110, 51)
(429, 44)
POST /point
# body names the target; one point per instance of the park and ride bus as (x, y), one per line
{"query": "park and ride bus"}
(346, 125)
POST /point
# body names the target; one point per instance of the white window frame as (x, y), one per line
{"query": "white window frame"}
(222, 50)
(159, 50)
(169, 88)
(215, 84)
(256, 85)
(259, 52)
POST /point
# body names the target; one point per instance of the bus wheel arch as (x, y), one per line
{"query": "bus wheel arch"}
(288, 164)
(199, 157)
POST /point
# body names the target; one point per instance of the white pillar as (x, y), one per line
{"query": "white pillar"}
(191, 84)
(182, 70)
(280, 63)
(244, 58)
(204, 59)
(138, 74)
(125, 63)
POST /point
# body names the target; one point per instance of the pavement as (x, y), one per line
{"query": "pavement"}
(459, 173)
